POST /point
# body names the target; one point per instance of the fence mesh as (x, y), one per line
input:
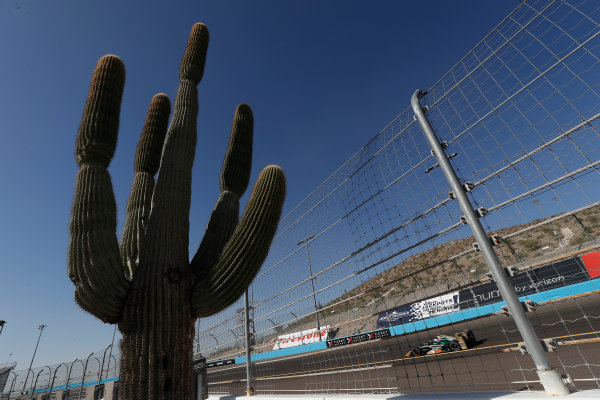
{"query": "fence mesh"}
(74, 376)
(380, 244)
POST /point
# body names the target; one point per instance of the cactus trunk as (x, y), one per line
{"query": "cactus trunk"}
(158, 333)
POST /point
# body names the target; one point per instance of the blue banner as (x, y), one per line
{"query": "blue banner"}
(396, 316)
(541, 279)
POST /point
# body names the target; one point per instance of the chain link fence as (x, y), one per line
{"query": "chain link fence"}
(374, 279)
(71, 379)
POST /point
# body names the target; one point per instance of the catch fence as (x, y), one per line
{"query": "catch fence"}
(379, 257)
(68, 380)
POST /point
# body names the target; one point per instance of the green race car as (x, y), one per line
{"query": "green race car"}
(444, 344)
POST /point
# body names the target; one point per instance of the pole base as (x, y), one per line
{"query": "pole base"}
(250, 391)
(552, 382)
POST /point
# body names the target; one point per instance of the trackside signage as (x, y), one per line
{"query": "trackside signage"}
(435, 306)
(541, 279)
(300, 338)
(397, 316)
(199, 364)
(220, 363)
(537, 280)
(592, 263)
(363, 337)
(431, 307)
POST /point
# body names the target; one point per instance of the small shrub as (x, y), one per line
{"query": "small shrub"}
(530, 244)
(577, 240)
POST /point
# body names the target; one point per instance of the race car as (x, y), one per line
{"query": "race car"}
(444, 344)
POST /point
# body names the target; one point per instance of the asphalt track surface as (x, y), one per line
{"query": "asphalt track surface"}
(381, 366)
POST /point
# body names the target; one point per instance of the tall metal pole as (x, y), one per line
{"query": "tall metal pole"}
(198, 336)
(249, 387)
(312, 284)
(12, 385)
(41, 328)
(112, 346)
(549, 377)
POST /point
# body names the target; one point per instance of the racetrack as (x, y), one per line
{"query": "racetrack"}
(381, 366)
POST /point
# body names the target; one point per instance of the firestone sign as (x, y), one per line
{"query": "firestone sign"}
(300, 338)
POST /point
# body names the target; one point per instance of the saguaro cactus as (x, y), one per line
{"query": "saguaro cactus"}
(147, 284)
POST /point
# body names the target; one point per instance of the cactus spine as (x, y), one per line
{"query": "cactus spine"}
(147, 284)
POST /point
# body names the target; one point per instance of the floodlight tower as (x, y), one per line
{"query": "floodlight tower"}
(41, 328)
(312, 283)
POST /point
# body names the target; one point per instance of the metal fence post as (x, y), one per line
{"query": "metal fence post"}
(549, 377)
(249, 387)
(312, 284)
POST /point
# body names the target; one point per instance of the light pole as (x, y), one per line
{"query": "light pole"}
(112, 345)
(312, 283)
(2, 322)
(198, 336)
(41, 328)
(249, 386)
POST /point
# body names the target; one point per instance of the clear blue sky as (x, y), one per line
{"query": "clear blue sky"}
(322, 77)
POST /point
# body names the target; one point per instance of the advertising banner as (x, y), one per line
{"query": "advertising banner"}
(362, 337)
(541, 279)
(562, 273)
(592, 263)
(220, 363)
(199, 364)
(431, 307)
(396, 316)
(435, 306)
(300, 338)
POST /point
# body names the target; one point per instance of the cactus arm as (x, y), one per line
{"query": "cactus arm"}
(94, 262)
(245, 252)
(235, 173)
(147, 160)
(221, 224)
(168, 225)
(233, 182)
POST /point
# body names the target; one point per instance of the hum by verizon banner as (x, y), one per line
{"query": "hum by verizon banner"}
(558, 274)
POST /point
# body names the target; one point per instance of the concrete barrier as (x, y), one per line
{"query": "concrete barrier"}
(585, 394)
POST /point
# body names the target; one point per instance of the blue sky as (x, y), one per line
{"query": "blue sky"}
(322, 77)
